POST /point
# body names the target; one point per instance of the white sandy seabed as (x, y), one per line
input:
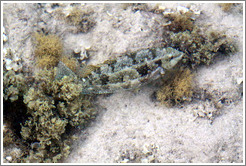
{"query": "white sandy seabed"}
(131, 125)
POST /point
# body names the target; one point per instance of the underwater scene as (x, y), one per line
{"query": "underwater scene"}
(122, 82)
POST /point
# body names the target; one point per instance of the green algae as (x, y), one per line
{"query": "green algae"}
(81, 18)
(52, 109)
(13, 85)
(53, 106)
(48, 50)
(176, 91)
(200, 43)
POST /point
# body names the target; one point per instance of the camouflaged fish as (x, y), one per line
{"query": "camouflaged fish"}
(127, 72)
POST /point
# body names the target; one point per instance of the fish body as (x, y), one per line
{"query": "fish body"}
(129, 71)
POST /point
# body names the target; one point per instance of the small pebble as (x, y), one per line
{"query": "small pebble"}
(239, 81)
(4, 31)
(77, 50)
(182, 9)
(5, 52)
(5, 38)
(9, 158)
(161, 7)
(125, 160)
(144, 160)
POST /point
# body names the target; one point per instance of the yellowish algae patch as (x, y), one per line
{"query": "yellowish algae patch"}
(48, 50)
(177, 90)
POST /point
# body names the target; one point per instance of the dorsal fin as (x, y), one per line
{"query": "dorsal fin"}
(63, 70)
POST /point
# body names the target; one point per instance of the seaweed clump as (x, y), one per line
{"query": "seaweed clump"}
(13, 148)
(226, 7)
(48, 50)
(54, 108)
(13, 85)
(14, 113)
(41, 113)
(200, 44)
(139, 7)
(148, 153)
(177, 90)
(179, 22)
(81, 18)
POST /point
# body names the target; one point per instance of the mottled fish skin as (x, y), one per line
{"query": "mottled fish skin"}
(130, 71)
(63, 70)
